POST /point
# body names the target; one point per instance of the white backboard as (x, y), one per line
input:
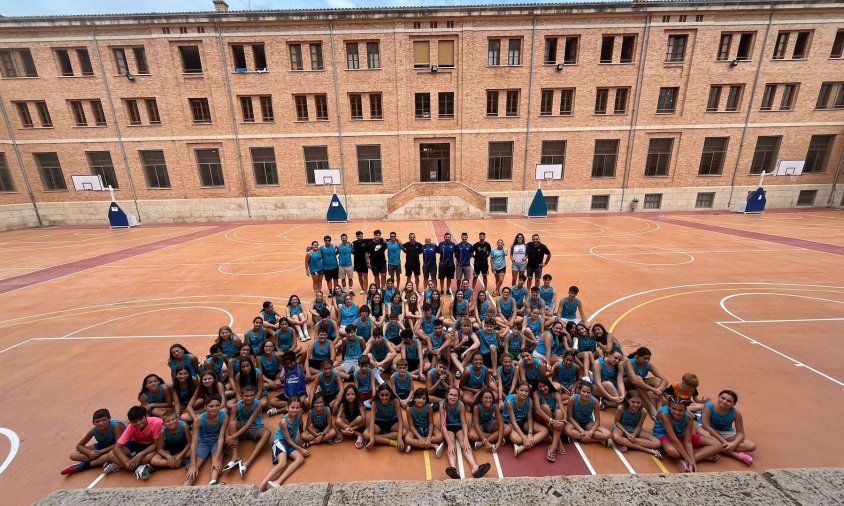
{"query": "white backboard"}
(790, 167)
(548, 172)
(324, 177)
(87, 183)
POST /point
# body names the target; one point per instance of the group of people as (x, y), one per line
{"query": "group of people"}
(454, 370)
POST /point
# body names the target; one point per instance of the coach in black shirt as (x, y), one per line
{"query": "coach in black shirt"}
(538, 256)
(359, 260)
(376, 259)
(412, 250)
(481, 251)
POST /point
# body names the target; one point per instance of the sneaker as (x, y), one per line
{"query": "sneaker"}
(73, 468)
(478, 445)
(111, 467)
(448, 292)
(407, 448)
(241, 468)
(143, 472)
(367, 404)
(272, 411)
(440, 449)
(231, 465)
(517, 449)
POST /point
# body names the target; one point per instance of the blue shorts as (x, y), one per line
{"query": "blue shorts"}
(535, 272)
(279, 447)
(423, 431)
(204, 449)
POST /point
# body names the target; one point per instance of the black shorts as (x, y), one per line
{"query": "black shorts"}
(412, 364)
(446, 272)
(332, 274)
(386, 426)
(501, 271)
(329, 398)
(271, 375)
(412, 269)
(430, 272)
(481, 267)
(360, 266)
(379, 269)
(316, 363)
(488, 359)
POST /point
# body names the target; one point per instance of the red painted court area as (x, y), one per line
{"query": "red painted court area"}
(750, 303)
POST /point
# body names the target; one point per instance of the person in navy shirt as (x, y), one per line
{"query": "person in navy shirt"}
(412, 250)
(429, 261)
(538, 256)
(446, 269)
(481, 251)
(463, 255)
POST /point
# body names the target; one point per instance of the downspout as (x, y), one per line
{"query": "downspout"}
(830, 202)
(232, 114)
(339, 116)
(529, 113)
(631, 137)
(20, 161)
(749, 109)
(116, 124)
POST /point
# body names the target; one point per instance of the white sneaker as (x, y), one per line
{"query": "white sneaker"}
(242, 468)
(367, 404)
(272, 411)
(143, 472)
(406, 448)
(478, 445)
(440, 449)
(231, 465)
(517, 449)
(111, 467)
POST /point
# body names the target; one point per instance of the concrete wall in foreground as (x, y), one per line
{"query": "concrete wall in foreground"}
(773, 488)
(15, 216)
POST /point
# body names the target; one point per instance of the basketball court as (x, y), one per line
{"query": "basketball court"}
(753, 303)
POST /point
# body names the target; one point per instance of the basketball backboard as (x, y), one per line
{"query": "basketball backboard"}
(790, 167)
(324, 177)
(548, 172)
(87, 183)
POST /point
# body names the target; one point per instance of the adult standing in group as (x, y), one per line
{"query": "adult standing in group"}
(376, 259)
(538, 256)
(463, 256)
(330, 267)
(394, 259)
(429, 262)
(518, 250)
(481, 251)
(412, 265)
(359, 255)
(446, 267)
(344, 250)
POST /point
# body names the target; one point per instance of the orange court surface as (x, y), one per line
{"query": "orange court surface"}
(752, 303)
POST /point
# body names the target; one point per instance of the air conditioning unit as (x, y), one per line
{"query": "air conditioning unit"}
(434, 68)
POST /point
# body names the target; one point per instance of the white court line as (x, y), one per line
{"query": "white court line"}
(86, 338)
(4, 350)
(94, 483)
(797, 320)
(725, 299)
(622, 457)
(585, 459)
(497, 465)
(14, 442)
(794, 360)
(459, 458)
(231, 317)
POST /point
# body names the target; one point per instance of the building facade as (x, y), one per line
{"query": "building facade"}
(434, 112)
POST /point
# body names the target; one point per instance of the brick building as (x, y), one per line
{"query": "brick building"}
(225, 115)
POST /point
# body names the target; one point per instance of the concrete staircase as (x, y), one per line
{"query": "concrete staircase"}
(440, 200)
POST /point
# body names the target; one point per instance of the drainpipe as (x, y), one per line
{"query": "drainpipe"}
(20, 161)
(529, 113)
(830, 202)
(232, 114)
(631, 137)
(339, 116)
(116, 123)
(749, 109)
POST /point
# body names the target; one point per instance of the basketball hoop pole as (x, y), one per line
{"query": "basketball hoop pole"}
(762, 177)
(111, 192)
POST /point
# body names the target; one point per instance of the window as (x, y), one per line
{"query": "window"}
(246, 110)
(734, 94)
(295, 56)
(799, 51)
(652, 201)
(200, 110)
(514, 52)
(321, 103)
(445, 52)
(373, 55)
(553, 153)
(627, 48)
(165, 29)
(570, 51)
(316, 157)
(17, 63)
(43, 114)
(705, 200)
(259, 57)
(659, 157)
(552, 203)
(356, 105)
(417, 25)
(375, 111)
(546, 102)
(601, 97)
(369, 164)
(676, 50)
(787, 97)
(768, 97)
(566, 102)
(141, 64)
(423, 105)
(352, 56)
(51, 171)
(267, 114)
(239, 57)
(806, 198)
(667, 103)
(446, 104)
(191, 62)
(152, 111)
(23, 113)
(550, 54)
(183, 29)
(316, 56)
(765, 155)
(498, 204)
(65, 66)
(494, 52)
(831, 90)
(734, 98)
(620, 106)
(801, 46)
(712, 156)
(605, 157)
(432, 24)
(99, 113)
(607, 44)
(745, 46)
(500, 161)
(492, 103)
(210, 168)
(449, 24)
(121, 61)
(714, 98)
(78, 113)
(301, 107)
(512, 106)
(133, 112)
(779, 47)
(600, 202)
(155, 169)
(421, 54)
(818, 153)
(789, 92)
(263, 165)
(7, 184)
(101, 165)
(837, 50)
